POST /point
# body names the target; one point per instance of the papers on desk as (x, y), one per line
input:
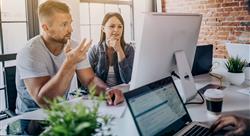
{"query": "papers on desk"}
(245, 91)
(114, 111)
(123, 87)
(104, 109)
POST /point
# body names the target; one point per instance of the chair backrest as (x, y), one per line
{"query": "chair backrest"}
(10, 84)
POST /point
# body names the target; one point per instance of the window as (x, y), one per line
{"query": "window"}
(93, 11)
(13, 19)
(15, 30)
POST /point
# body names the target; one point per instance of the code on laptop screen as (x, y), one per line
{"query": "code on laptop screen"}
(156, 110)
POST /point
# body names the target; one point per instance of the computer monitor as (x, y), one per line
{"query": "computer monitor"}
(203, 59)
(163, 34)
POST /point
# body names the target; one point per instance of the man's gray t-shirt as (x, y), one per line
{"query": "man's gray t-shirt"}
(35, 60)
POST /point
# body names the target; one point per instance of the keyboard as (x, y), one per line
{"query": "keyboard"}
(198, 131)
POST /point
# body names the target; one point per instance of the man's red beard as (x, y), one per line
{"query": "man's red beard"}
(66, 38)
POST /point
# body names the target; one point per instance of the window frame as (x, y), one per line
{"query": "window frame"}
(115, 2)
(31, 21)
(123, 2)
(32, 29)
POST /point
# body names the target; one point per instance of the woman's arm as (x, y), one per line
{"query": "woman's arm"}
(126, 65)
(92, 57)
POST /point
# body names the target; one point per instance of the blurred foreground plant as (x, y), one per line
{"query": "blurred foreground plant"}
(66, 119)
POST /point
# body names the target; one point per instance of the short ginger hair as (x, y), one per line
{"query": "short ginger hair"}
(49, 8)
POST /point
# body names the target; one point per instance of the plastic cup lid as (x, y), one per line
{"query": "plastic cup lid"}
(214, 94)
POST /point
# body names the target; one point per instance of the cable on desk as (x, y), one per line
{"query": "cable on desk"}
(196, 102)
(174, 74)
(219, 77)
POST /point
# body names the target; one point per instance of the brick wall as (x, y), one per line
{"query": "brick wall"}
(223, 20)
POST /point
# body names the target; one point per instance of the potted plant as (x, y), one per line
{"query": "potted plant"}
(247, 74)
(235, 67)
(75, 119)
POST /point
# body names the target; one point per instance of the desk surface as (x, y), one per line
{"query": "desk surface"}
(234, 102)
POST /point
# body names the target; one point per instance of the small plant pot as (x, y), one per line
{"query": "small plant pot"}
(247, 75)
(236, 78)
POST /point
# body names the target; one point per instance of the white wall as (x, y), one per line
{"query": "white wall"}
(75, 12)
(140, 8)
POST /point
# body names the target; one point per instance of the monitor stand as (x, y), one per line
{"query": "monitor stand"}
(186, 86)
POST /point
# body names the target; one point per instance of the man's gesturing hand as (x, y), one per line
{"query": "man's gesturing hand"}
(75, 55)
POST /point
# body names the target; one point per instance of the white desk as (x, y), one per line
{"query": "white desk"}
(233, 102)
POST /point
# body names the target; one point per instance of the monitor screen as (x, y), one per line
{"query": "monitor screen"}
(159, 105)
(162, 35)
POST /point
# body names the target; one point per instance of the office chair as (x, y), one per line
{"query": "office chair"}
(9, 74)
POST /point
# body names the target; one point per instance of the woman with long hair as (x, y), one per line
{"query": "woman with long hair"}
(112, 58)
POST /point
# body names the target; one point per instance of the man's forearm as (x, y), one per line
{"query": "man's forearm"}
(60, 83)
(97, 84)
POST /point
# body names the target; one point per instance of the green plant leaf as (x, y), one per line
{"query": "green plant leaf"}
(235, 64)
(59, 129)
(82, 126)
(72, 120)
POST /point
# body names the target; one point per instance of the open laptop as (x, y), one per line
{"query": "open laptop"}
(158, 109)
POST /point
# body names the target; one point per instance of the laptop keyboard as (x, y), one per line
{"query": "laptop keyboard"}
(198, 131)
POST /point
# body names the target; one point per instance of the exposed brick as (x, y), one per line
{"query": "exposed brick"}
(243, 3)
(219, 1)
(219, 9)
(230, 4)
(231, 23)
(245, 23)
(228, 9)
(248, 29)
(238, 8)
(240, 28)
(240, 18)
(222, 20)
(229, 19)
(213, 5)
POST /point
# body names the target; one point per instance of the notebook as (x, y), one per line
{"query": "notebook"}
(158, 109)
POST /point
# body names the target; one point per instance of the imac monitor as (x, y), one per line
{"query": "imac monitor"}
(162, 35)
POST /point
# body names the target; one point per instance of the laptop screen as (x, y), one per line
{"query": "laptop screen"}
(157, 108)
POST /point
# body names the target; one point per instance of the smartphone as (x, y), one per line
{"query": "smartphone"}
(26, 127)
